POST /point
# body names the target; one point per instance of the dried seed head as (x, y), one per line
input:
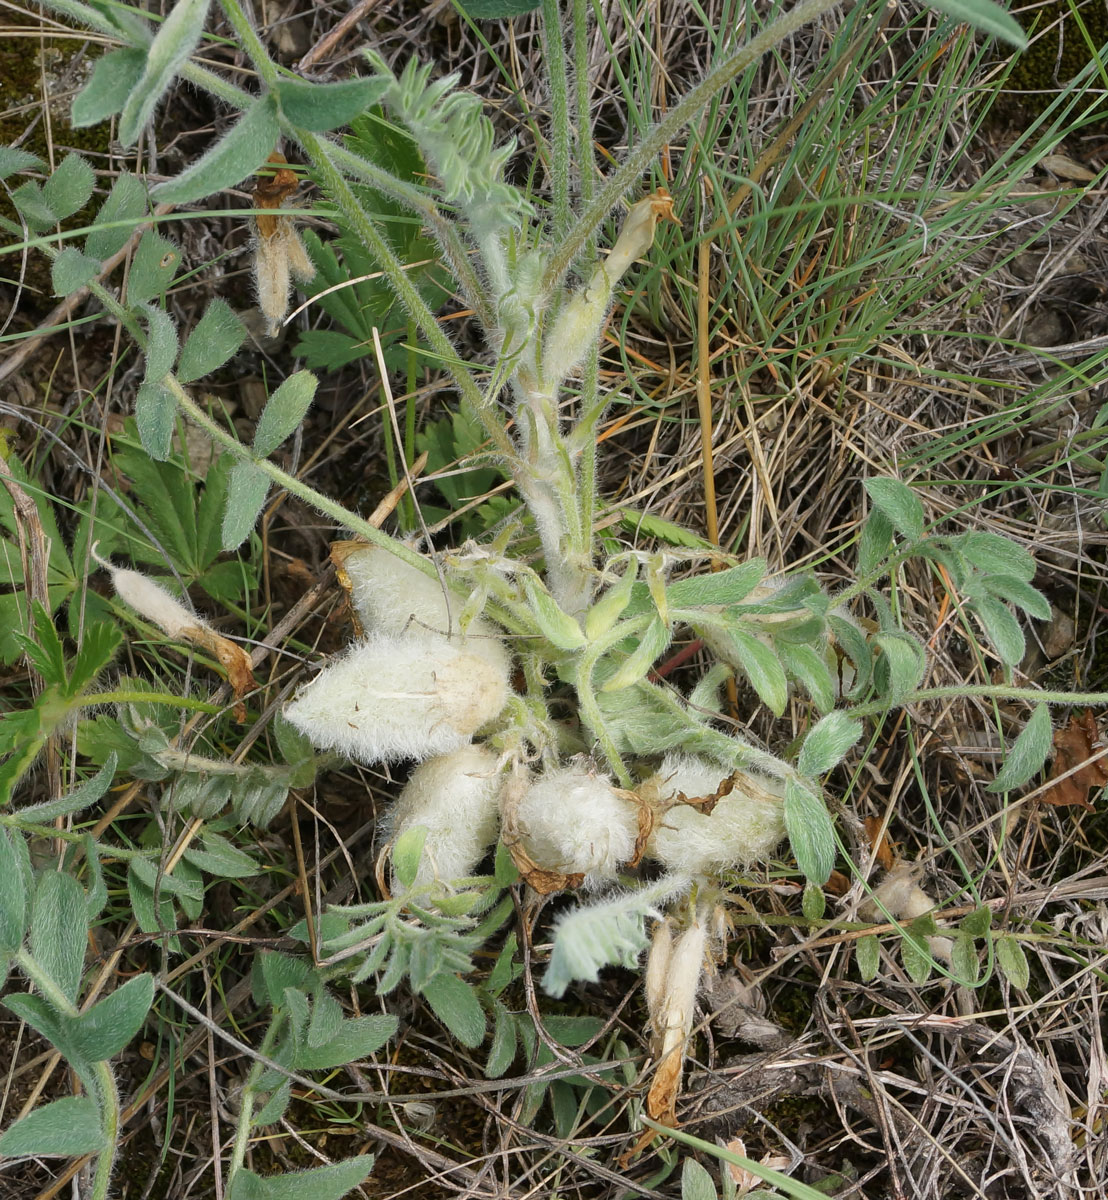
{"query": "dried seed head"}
(574, 822)
(455, 796)
(390, 698)
(743, 826)
(279, 254)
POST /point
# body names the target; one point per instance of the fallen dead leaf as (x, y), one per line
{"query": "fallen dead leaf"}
(1074, 747)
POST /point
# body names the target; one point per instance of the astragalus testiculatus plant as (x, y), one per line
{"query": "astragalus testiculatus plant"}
(519, 671)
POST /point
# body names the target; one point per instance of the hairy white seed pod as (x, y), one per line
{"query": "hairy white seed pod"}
(574, 822)
(455, 796)
(392, 597)
(743, 827)
(150, 600)
(900, 895)
(390, 698)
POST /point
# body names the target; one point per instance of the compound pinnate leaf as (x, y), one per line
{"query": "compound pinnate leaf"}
(65, 1127)
(1028, 752)
(811, 834)
(152, 269)
(239, 153)
(246, 497)
(320, 1183)
(323, 106)
(900, 504)
(283, 412)
(71, 270)
(218, 334)
(173, 43)
(113, 79)
(118, 215)
(59, 930)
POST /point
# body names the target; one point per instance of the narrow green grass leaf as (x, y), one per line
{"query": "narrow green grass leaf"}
(69, 187)
(1027, 754)
(811, 834)
(1012, 961)
(71, 270)
(899, 503)
(497, 10)
(324, 106)
(114, 78)
(66, 1127)
(283, 412)
(155, 416)
(126, 202)
(174, 42)
(152, 269)
(240, 152)
(320, 1183)
(246, 497)
(986, 16)
(826, 744)
(59, 930)
(217, 336)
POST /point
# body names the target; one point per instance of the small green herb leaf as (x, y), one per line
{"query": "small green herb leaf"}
(1028, 752)
(1013, 962)
(904, 661)
(1001, 628)
(320, 1183)
(456, 1005)
(71, 270)
(118, 215)
(283, 412)
(103, 1031)
(763, 668)
(13, 897)
(652, 642)
(69, 187)
(323, 106)
(13, 159)
(152, 269)
(867, 953)
(66, 1127)
(174, 42)
(407, 850)
(217, 336)
(59, 930)
(811, 834)
(113, 79)
(240, 152)
(246, 497)
(558, 627)
(161, 343)
(826, 744)
(900, 504)
(155, 415)
(964, 960)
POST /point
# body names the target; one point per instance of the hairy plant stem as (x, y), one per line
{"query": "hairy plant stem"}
(984, 691)
(686, 110)
(107, 1097)
(247, 1097)
(561, 132)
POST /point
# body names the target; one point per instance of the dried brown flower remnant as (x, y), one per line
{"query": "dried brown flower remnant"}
(279, 254)
(1076, 746)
